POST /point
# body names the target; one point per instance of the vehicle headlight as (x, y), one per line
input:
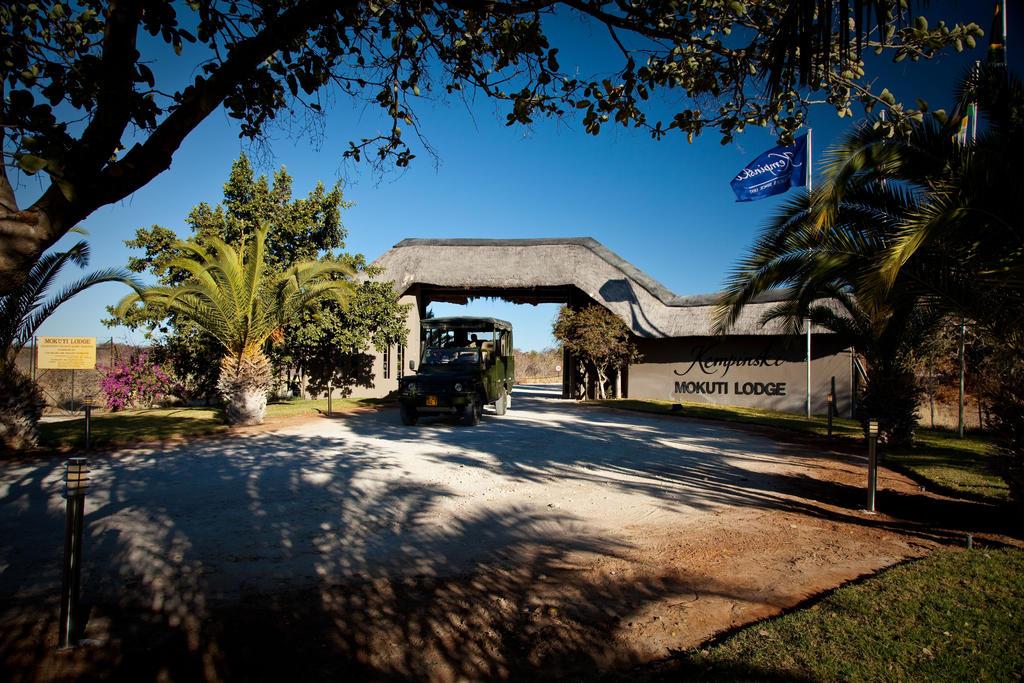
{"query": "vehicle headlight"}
(458, 386)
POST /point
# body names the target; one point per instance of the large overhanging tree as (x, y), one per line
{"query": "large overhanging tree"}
(81, 101)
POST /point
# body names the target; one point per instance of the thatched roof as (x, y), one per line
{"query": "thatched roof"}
(473, 265)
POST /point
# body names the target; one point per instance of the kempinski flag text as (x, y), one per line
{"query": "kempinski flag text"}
(774, 172)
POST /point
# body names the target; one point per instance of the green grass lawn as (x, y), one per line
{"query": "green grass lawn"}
(953, 616)
(156, 424)
(967, 466)
(963, 466)
(769, 418)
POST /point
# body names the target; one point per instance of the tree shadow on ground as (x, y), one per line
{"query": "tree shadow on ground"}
(296, 559)
(704, 465)
(285, 557)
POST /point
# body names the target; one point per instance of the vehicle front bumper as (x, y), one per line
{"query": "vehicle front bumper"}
(441, 403)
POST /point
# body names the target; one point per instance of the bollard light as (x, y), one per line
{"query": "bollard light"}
(76, 476)
(872, 464)
(831, 411)
(88, 404)
(76, 480)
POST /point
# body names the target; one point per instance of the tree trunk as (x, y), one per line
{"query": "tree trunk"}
(891, 397)
(583, 388)
(602, 379)
(25, 235)
(244, 383)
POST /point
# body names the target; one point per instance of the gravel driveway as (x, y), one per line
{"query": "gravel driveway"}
(554, 537)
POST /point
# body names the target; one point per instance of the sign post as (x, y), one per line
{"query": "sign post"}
(808, 369)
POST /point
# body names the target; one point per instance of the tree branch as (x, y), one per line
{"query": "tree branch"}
(113, 111)
(144, 162)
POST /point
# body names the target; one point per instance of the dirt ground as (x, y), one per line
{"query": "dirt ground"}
(556, 541)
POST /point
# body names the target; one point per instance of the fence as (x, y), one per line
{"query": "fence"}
(64, 390)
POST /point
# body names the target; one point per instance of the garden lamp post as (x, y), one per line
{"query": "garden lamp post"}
(831, 409)
(88, 404)
(76, 479)
(872, 463)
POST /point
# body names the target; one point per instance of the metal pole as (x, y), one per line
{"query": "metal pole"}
(75, 480)
(810, 160)
(808, 367)
(963, 341)
(88, 425)
(872, 464)
(853, 383)
(810, 189)
(329, 392)
(35, 361)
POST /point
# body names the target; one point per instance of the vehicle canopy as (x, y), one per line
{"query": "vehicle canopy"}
(465, 323)
(458, 341)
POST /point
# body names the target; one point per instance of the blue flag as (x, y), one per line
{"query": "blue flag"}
(774, 172)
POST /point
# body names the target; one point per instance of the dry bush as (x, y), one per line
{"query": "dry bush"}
(538, 364)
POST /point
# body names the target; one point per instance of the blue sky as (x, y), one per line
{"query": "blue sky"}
(664, 206)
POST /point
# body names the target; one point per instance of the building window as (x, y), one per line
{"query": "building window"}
(401, 362)
(387, 362)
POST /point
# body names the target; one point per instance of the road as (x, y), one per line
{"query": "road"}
(628, 534)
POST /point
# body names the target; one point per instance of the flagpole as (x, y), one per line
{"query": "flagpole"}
(810, 188)
(972, 116)
(810, 160)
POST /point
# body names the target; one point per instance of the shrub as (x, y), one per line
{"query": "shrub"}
(21, 407)
(134, 382)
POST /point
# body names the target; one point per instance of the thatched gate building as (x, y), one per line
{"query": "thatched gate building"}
(683, 360)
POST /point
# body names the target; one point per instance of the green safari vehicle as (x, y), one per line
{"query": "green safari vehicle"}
(466, 364)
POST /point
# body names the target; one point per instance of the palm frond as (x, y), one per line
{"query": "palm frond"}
(38, 316)
(231, 293)
(25, 309)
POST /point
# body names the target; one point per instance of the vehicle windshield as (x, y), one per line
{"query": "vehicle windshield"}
(458, 356)
(460, 345)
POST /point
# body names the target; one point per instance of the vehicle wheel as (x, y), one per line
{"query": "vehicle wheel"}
(471, 412)
(408, 414)
(501, 405)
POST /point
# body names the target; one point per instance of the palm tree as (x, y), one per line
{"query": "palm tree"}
(234, 296)
(22, 312)
(961, 249)
(823, 250)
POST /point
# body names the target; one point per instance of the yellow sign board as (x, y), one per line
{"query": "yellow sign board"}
(66, 353)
